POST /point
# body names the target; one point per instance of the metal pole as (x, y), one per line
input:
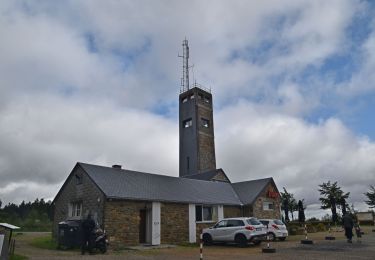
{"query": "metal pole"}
(268, 238)
(201, 247)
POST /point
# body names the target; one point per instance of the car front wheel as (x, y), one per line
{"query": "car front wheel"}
(207, 239)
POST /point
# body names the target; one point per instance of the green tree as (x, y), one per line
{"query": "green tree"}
(301, 212)
(331, 196)
(288, 204)
(285, 202)
(293, 205)
(371, 197)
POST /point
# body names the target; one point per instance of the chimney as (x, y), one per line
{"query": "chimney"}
(116, 166)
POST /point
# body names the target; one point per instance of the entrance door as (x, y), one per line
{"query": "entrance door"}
(142, 226)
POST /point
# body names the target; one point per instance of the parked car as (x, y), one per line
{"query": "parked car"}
(276, 229)
(237, 230)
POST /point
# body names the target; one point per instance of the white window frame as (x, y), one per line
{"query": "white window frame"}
(75, 209)
(268, 203)
(214, 213)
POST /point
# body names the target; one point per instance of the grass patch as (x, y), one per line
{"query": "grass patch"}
(45, 242)
(18, 257)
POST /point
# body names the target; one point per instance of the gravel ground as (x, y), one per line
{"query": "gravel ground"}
(290, 249)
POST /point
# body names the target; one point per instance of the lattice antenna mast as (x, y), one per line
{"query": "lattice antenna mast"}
(185, 66)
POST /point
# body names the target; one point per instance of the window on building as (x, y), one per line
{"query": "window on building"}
(205, 122)
(200, 96)
(187, 123)
(192, 96)
(268, 205)
(78, 178)
(184, 99)
(76, 209)
(204, 213)
(206, 99)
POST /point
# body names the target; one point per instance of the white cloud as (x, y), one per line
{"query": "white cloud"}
(299, 155)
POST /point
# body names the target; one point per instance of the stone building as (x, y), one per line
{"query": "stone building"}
(143, 208)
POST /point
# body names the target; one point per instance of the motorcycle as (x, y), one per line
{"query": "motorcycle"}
(101, 241)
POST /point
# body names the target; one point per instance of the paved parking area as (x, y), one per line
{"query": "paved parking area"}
(290, 249)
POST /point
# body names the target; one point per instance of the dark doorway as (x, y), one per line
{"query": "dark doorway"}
(142, 226)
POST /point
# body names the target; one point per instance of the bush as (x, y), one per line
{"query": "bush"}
(366, 222)
(321, 227)
(311, 228)
(292, 231)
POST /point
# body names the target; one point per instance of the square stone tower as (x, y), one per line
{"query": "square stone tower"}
(197, 145)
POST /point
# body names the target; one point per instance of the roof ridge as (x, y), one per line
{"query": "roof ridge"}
(268, 178)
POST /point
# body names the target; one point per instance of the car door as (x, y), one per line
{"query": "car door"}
(233, 226)
(265, 223)
(218, 230)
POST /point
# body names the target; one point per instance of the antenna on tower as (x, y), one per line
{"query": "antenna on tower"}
(185, 66)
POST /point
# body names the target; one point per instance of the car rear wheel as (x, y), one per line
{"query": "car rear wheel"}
(240, 240)
(207, 239)
(271, 236)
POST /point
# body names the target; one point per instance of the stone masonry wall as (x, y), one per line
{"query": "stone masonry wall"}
(122, 222)
(200, 227)
(87, 192)
(258, 205)
(174, 226)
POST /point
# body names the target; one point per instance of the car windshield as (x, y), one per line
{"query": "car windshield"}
(278, 222)
(253, 221)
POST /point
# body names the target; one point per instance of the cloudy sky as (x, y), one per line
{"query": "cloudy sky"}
(98, 82)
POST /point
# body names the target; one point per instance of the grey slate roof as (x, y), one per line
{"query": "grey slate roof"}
(248, 191)
(205, 176)
(126, 184)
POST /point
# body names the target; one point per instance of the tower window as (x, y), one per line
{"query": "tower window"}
(192, 96)
(206, 99)
(200, 96)
(205, 122)
(187, 123)
(184, 100)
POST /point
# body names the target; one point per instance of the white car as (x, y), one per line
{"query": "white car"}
(276, 229)
(237, 230)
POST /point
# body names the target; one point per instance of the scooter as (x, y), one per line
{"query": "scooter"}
(101, 241)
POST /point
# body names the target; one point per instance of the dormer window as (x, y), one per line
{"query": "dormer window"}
(187, 123)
